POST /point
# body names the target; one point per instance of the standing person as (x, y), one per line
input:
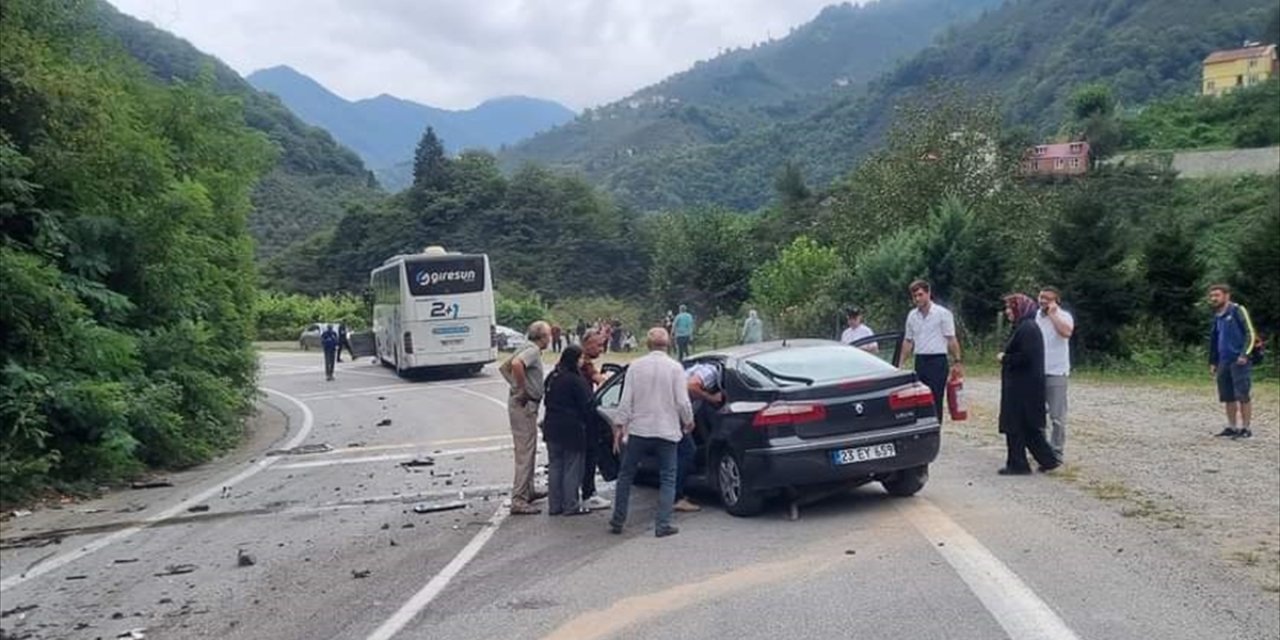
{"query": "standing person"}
(592, 347)
(704, 396)
(1231, 343)
(329, 340)
(653, 414)
(557, 338)
(1022, 390)
(1056, 325)
(752, 328)
(581, 330)
(683, 325)
(525, 377)
(569, 407)
(857, 330)
(344, 342)
(931, 336)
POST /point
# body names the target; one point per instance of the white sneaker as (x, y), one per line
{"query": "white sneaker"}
(596, 503)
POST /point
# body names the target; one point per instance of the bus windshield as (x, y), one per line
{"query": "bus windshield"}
(445, 276)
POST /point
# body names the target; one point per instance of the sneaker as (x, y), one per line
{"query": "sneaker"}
(666, 531)
(596, 503)
(524, 510)
(1242, 434)
(1229, 432)
(683, 505)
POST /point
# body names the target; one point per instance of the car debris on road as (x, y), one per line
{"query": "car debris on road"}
(150, 484)
(176, 570)
(428, 507)
(322, 447)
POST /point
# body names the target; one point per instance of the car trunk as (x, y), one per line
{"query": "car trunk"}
(853, 406)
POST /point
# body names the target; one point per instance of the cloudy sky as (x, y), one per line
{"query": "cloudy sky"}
(457, 53)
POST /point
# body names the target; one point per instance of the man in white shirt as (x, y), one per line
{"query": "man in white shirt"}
(1056, 325)
(857, 330)
(931, 336)
(653, 414)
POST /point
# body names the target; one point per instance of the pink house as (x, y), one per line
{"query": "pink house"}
(1058, 159)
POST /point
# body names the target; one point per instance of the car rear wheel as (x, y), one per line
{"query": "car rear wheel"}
(907, 482)
(731, 483)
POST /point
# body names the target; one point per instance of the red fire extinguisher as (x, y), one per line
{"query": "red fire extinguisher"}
(956, 402)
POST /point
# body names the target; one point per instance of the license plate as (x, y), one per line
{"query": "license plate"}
(863, 454)
(452, 343)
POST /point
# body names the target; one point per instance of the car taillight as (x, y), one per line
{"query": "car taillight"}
(914, 397)
(782, 414)
(408, 342)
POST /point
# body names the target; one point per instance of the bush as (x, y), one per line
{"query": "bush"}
(796, 290)
(283, 316)
(517, 308)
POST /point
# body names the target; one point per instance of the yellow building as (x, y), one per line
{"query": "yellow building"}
(1233, 68)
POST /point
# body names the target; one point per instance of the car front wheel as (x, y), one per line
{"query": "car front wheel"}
(735, 494)
(907, 482)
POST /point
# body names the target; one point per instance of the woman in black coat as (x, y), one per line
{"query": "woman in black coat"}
(1022, 390)
(569, 404)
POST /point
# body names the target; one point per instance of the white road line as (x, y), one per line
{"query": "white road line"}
(492, 399)
(1022, 614)
(437, 584)
(58, 561)
(377, 391)
(392, 457)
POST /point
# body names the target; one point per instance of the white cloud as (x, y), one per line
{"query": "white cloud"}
(457, 53)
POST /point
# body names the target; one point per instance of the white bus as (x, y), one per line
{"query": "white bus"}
(434, 310)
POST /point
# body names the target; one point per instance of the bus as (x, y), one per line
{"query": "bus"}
(434, 310)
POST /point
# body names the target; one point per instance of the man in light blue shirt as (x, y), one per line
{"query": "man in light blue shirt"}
(683, 327)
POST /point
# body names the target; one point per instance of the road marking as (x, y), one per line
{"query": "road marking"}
(492, 399)
(411, 445)
(1022, 614)
(386, 457)
(377, 391)
(58, 561)
(437, 584)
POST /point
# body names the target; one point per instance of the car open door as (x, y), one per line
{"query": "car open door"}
(362, 345)
(607, 399)
(886, 346)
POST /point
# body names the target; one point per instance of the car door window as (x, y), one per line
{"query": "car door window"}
(886, 346)
(611, 396)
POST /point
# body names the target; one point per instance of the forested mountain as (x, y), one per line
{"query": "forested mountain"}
(314, 177)
(1031, 54)
(722, 99)
(384, 129)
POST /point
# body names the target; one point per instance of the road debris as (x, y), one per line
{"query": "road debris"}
(150, 484)
(428, 507)
(21, 513)
(200, 508)
(134, 634)
(18, 610)
(176, 570)
(226, 492)
(77, 577)
(360, 574)
(302, 449)
(382, 397)
(133, 507)
(386, 525)
(385, 422)
(354, 445)
(124, 561)
(88, 511)
(420, 461)
(243, 559)
(393, 543)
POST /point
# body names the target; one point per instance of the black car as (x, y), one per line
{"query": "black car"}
(808, 412)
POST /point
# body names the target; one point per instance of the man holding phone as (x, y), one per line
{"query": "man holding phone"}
(1056, 326)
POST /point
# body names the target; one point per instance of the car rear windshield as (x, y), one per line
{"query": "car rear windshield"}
(446, 276)
(821, 364)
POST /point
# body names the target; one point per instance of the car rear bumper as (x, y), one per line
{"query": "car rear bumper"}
(809, 461)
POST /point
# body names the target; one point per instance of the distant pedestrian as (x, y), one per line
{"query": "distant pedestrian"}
(592, 347)
(523, 373)
(653, 415)
(1232, 342)
(344, 342)
(565, 428)
(931, 335)
(557, 338)
(684, 328)
(330, 341)
(581, 330)
(856, 330)
(752, 328)
(1056, 325)
(1022, 390)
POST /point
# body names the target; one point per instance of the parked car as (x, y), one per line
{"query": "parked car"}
(807, 413)
(310, 337)
(509, 339)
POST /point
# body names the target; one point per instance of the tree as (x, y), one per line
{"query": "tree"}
(1257, 265)
(703, 258)
(1093, 110)
(965, 263)
(1173, 272)
(1085, 259)
(797, 289)
(790, 185)
(430, 166)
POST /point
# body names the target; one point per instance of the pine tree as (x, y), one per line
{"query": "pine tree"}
(1257, 266)
(1085, 260)
(430, 166)
(1173, 272)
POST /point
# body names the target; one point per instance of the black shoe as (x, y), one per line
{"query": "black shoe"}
(1242, 434)
(1048, 468)
(666, 531)
(1229, 432)
(1006, 471)
(615, 529)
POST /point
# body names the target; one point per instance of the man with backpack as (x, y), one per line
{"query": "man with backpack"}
(1233, 350)
(330, 341)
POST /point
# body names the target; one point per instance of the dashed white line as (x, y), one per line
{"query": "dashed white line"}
(1022, 614)
(94, 545)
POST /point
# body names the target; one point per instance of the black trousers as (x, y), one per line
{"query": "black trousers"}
(933, 372)
(330, 354)
(1019, 441)
(589, 469)
(682, 347)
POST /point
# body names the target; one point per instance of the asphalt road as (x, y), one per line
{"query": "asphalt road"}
(336, 550)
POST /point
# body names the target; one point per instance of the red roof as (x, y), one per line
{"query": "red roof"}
(1227, 55)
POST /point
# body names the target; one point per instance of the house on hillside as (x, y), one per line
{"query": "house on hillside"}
(1058, 159)
(1231, 69)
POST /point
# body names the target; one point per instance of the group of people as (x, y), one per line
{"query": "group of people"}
(615, 338)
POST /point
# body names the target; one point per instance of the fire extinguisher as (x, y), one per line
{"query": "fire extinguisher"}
(956, 401)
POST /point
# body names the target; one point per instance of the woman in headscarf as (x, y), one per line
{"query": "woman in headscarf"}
(752, 328)
(569, 404)
(1022, 391)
